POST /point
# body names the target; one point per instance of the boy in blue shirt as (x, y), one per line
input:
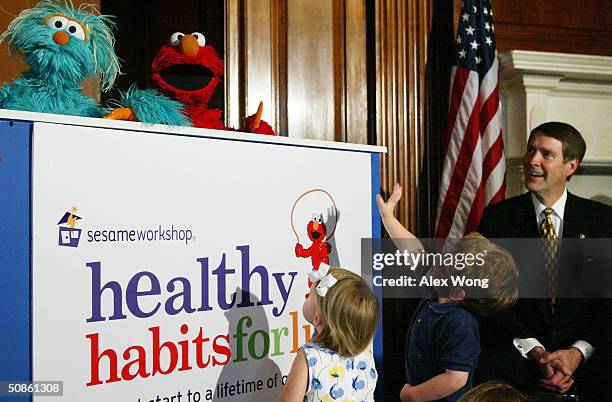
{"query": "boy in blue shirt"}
(443, 344)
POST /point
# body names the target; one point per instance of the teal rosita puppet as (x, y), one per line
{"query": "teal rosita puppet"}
(62, 46)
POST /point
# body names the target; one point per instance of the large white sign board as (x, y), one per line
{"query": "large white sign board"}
(163, 266)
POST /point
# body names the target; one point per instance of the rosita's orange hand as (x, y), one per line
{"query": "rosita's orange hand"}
(122, 113)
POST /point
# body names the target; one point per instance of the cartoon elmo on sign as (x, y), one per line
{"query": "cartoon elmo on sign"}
(319, 249)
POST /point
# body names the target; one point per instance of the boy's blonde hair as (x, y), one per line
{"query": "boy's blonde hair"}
(349, 312)
(498, 268)
(493, 391)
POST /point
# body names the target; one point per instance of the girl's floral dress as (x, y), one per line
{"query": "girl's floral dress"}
(332, 377)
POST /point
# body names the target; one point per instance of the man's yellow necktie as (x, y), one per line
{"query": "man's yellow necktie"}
(551, 253)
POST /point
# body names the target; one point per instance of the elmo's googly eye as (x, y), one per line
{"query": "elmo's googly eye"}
(316, 218)
(200, 38)
(175, 38)
(57, 22)
(76, 30)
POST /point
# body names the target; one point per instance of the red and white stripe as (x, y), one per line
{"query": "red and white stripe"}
(474, 169)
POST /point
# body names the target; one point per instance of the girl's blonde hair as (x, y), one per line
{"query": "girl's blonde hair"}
(349, 312)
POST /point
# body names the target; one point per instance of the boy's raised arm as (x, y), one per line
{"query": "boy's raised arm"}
(393, 226)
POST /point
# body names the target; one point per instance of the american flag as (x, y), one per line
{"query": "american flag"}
(474, 169)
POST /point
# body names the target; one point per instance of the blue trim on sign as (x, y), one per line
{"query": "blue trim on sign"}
(15, 258)
(376, 233)
(375, 170)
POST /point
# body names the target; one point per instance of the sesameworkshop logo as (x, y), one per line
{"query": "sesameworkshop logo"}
(69, 236)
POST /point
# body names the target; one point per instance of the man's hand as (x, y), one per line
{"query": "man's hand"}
(564, 362)
(387, 209)
(535, 355)
(559, 382)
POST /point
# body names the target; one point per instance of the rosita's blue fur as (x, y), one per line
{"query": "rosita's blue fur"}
(150, 106)
(52, 84)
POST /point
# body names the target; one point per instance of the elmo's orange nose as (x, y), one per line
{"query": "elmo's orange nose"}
(61, 38)
(315, 225)
(189, 45)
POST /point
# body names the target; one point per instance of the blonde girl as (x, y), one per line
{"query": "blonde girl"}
(338, 364)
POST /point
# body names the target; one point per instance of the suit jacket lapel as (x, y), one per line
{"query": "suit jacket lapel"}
(571, 217)
(526, 221)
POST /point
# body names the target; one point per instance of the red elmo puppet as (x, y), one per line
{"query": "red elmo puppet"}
(188, 71)
(319, 249)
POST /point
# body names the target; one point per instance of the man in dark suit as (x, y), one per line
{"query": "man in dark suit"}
(554, 336)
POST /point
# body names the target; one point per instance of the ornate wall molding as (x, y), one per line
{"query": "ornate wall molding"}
(577, 89)
(402, 29)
